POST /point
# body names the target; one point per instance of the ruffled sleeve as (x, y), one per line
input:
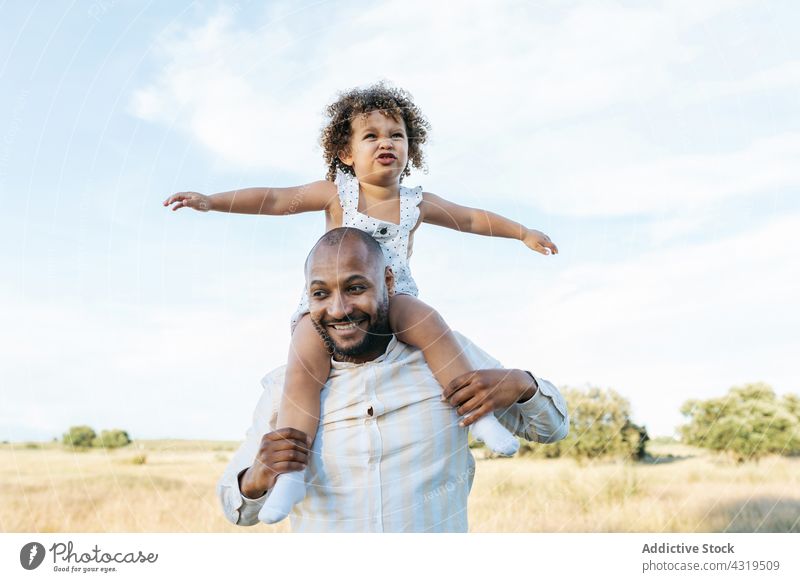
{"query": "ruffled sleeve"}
(347, 187)
(410, 210)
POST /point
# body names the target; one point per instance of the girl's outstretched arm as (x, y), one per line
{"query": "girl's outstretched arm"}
(274, 201)
(436, 210)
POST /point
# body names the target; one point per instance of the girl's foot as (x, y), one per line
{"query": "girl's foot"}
(290, 488)
(489, 430)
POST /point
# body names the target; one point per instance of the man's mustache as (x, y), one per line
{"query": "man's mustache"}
(349, 319)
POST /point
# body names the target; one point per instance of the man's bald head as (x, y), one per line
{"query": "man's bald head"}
(342, 240)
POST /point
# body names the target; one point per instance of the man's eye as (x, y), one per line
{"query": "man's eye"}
(318, 294)
(357, 288)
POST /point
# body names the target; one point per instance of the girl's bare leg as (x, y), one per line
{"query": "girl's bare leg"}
(307, 370)
(417, 324)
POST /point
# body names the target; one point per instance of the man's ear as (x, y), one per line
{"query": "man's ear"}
(389, 278)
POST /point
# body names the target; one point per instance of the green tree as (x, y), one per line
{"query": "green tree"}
(748, 423)
(79, 437)
(600, 426)
(112, 439)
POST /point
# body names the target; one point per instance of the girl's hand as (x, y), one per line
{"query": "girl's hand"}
(539, 242)
(189, 200)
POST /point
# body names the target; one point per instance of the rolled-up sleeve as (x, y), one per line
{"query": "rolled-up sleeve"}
(237, 508)
(543, 418)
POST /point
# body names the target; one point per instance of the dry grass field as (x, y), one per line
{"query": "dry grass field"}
(168, 486)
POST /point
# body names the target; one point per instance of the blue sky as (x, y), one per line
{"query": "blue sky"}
(656, 143)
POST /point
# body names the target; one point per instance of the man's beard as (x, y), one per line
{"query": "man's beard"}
(376, 333)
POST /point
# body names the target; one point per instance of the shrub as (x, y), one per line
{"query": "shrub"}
(112, 439)
(79, 437)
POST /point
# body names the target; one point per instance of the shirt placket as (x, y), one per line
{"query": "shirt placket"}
(374, 410)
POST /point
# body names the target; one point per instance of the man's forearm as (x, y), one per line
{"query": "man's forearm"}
(529, 390)
(247, 487)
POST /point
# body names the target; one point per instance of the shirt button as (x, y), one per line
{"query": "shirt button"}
(369, 411)
(383, 231)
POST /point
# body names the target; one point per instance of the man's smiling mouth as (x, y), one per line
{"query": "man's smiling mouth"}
(345, 326)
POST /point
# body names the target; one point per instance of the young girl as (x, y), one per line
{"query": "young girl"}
(372, 137)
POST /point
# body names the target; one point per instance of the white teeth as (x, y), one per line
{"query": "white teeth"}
(345, 326)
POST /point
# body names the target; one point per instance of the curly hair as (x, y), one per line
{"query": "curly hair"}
(390, 101)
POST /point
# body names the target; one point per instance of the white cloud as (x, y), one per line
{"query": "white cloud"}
(608, 185)
(207, 89)
(771, 80)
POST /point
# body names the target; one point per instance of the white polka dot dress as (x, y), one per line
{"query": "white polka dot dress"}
(393, 238)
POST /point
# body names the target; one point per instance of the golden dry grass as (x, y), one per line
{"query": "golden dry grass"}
(49, 489)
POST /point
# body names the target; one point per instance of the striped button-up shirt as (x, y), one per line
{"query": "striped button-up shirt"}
(389, 455)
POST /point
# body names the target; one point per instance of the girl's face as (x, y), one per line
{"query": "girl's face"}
(378, 149)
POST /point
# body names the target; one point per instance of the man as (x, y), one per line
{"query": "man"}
(390, 453)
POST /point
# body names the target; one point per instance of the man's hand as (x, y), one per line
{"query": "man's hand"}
(194, 200)
(481, 392)
(539, 242)
(281, 451)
